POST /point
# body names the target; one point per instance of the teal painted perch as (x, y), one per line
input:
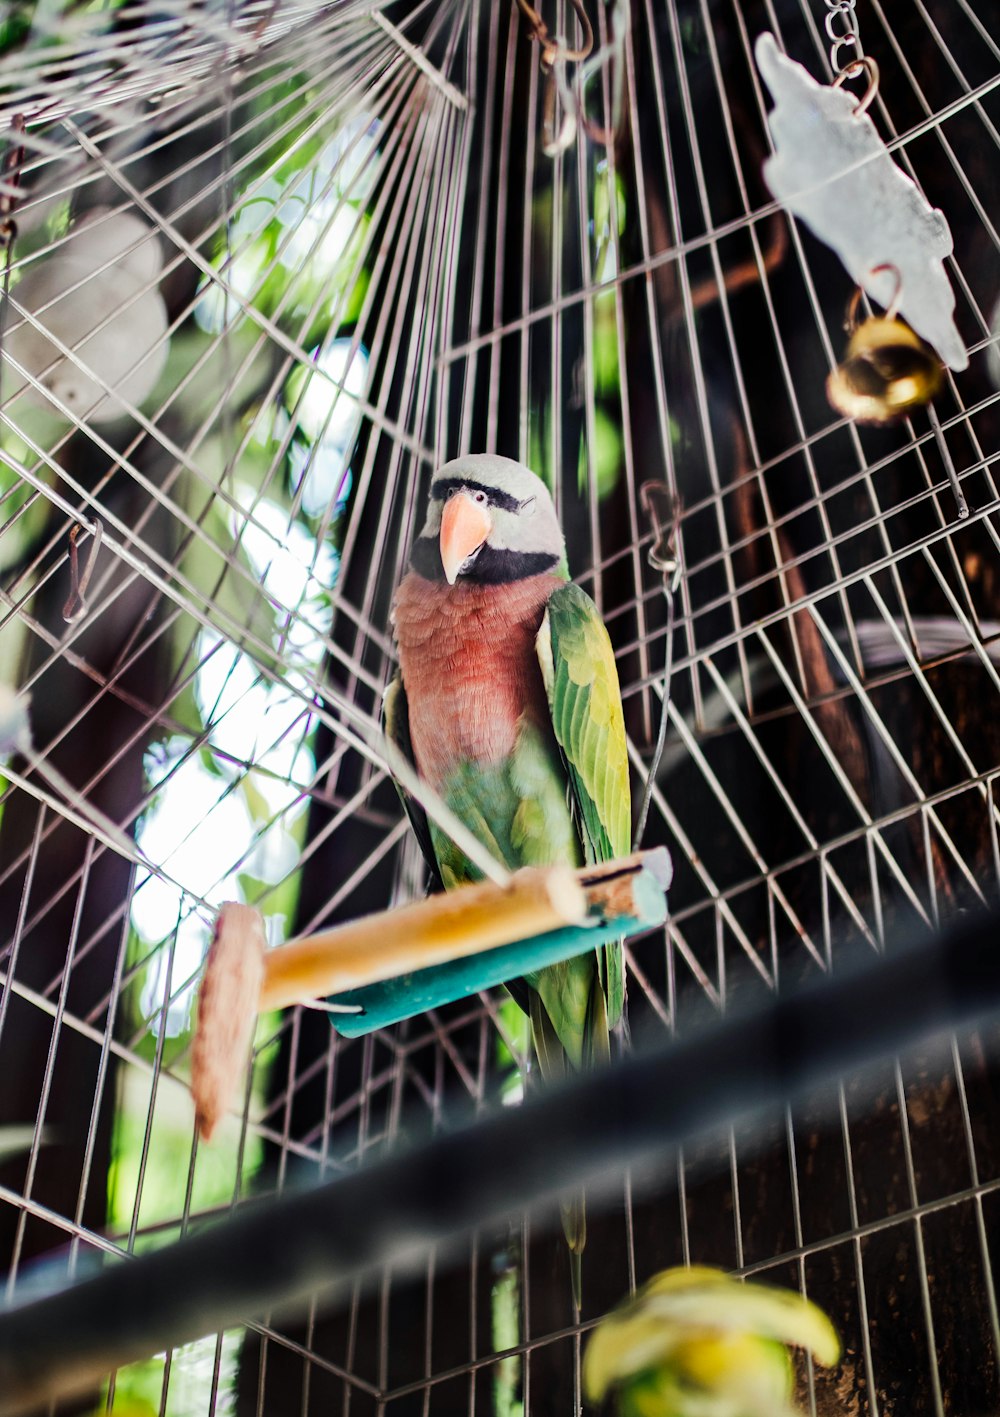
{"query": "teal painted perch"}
(386, 967)
(393, 1000)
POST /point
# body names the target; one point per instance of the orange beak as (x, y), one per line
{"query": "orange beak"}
(465, 525)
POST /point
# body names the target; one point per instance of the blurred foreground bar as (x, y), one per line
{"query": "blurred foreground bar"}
(283, 1251)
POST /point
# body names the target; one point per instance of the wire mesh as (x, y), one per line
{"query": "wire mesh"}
(365, 264)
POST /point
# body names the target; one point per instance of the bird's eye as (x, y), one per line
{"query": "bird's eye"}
(480, 497)
(451, 493)
(527, 506)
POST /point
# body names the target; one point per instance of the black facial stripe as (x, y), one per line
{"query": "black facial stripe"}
(441, 489)
(491, 566)
(494, 567)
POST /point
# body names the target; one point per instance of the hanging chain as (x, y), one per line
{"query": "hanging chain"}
(847, 58)
(843, 33)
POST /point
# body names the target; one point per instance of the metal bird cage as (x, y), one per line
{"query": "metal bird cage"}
(290, 257)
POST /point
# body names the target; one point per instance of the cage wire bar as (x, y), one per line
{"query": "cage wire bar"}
(366, 264)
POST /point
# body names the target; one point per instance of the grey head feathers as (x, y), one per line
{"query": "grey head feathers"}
(524, 536)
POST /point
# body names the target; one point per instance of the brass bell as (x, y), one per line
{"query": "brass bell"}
(887, 371)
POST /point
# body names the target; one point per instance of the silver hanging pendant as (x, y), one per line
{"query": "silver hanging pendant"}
(833, 171)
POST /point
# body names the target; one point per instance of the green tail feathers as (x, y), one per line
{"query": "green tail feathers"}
(551, 1055)
(554, 1064)
(574, 1223)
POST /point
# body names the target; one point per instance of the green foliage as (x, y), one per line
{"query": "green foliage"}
(192, 1382)
(155, 1177)
(292, 256)
(164, 1116)
(505, 1301)
(41, 22)
(538, 459)
(608, 219)
(607, 374)
(13, 639)
(24, 512)
(208, 372)
(605, 457)
(15, 25)
(601, 456)
(514, 1024)
(242, 614)
(274, 897)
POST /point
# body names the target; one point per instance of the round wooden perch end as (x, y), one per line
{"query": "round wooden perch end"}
(228, 1004)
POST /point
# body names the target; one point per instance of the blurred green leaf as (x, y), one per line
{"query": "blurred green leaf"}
(505, 1302)
(695, 1342)
(604, 355)
(607, 455)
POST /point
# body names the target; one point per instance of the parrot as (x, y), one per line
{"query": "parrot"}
(508, 704)
(694, 1342)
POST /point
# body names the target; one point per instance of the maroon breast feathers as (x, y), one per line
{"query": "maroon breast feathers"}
(469, 666)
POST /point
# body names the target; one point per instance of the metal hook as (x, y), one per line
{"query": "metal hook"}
(863, 65)
(663, 510)
(554, 49)
(76, 603)
(556, 54)
(612, 53)
(553, 142)
(892, 309)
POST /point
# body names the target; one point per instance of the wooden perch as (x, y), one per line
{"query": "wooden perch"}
(427, 932)
(564, 910)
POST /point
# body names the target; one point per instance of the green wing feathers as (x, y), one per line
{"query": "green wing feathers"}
(581, 682)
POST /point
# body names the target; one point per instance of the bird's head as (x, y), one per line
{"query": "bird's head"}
(490, 521)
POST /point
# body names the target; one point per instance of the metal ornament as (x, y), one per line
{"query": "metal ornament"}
(887, 371)
(833, 171)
